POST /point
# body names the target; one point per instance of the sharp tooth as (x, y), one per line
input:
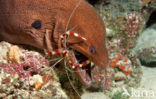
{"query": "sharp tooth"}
(80, 65)
(92, 64)
(73, 67)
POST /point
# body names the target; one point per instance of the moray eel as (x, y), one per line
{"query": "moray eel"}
(39, 23)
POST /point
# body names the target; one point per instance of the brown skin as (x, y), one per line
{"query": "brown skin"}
(17, 16)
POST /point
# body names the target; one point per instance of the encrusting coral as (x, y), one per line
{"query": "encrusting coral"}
(25, 74)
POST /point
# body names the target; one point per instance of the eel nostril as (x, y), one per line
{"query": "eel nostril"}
(37, 24)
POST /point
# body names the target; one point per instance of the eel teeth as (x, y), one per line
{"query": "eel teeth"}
(92, 64)
(83, 64)
(73, 67)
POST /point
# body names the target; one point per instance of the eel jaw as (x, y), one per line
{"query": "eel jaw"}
(84, 73)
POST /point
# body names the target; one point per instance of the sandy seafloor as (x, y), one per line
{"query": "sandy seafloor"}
(147, 89)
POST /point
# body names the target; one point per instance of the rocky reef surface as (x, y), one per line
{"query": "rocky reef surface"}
(125, 21)
(25, 74)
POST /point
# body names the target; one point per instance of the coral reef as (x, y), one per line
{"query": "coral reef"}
(145, 48)
(124, 21)
(25, 74)
(31, 64)
(123, 32)
(122, 63)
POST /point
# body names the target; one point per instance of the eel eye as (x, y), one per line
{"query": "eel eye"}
(91, 49)
(37, 24)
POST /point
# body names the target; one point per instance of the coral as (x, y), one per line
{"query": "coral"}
(123, 27)
(30, 78)
(119, 76)
(145, 48)
(120, 48)
(147, 39)
(30, 65)
(101, 80)
(14, 54)
(123, 63)
(133, 23)
(121, 43)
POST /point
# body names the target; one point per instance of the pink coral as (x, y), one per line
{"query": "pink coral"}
(30, 65)
(133, 24)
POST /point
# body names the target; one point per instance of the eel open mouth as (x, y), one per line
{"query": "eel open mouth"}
(84, 72)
